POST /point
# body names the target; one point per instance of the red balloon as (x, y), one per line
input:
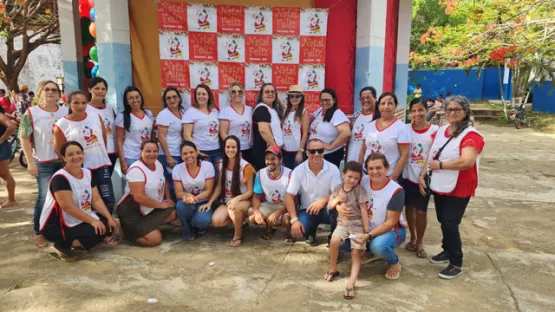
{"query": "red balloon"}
(84, 8)
(64, 97)
(87, 47)
(91, 3)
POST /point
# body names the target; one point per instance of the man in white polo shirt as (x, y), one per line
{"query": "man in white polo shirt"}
(314, 181)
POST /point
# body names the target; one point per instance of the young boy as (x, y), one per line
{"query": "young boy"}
(349, 198)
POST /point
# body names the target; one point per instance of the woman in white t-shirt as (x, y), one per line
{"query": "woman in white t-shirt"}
(146, 203)
(87, 129)
(234, 190)
(97, 104)
(169, 127)
(74, 214)
(387, 135)
(422, 135)
(201, 124)
(361, 121)
(133, 127)
(331, 126)
(194, 182)
(296, 123)
(236, 119)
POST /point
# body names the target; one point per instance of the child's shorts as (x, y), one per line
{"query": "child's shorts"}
(342, 233)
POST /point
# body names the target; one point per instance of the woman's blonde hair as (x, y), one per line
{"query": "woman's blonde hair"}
(42, 85)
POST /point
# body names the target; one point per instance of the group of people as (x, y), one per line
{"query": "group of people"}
(274, 165)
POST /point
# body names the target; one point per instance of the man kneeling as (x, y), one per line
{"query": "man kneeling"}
(270, 185)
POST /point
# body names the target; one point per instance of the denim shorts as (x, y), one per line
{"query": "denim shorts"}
(5, 151)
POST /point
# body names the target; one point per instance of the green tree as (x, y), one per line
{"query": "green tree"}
(35, 23)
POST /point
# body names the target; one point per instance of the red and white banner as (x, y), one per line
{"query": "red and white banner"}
(219, 44)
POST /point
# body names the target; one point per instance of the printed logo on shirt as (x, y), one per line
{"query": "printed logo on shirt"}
(370, 207)
(228, 189)
(144, 134)
(416, 152)
(89, 135)
(287, 128)
(108, 126)
(85, 201)
(213, 128)
(195, 190)
(358, 133)
(245, 129)
(376, 147)
(276, 197)
(161, 185)
(314, 127)
(434, 151)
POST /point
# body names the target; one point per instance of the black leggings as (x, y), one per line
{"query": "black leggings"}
(63, 236)
(335, 157)
(449, 211)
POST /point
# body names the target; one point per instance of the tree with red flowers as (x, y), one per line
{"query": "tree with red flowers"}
(519, 34)
(35, 23)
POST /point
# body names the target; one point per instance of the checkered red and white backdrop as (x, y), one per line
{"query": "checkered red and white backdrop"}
(219, 44)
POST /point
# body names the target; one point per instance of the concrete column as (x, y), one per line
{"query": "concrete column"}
(72, 51)
(370, 46)
(403, 50)
(114, 59)
(114, 48)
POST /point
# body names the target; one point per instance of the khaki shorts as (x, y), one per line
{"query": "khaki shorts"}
(342, 233)
(268, 208)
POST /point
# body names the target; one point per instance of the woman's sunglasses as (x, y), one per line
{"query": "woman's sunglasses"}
(295, 96)
(313, 151)
(237, 92)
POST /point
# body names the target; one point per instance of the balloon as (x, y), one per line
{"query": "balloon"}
(91, 3)
(92, 29)
(94, 71)
(93, 14)
(84, 8)
(64, 97)
(93, 53)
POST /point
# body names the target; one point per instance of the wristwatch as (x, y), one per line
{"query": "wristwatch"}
(293, 220)
(302, 150)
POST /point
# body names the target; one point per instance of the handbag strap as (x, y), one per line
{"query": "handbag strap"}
(436, 157)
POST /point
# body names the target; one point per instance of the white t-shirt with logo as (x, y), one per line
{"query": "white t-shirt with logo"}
(194, 184)
(206, 128)
(420, 146)
(327, 131)
(292, 132)
(43, 131)
(239, 124)
(228, 195)
(154, 181)
(166, 118)
(108, 117)
(362, 121)
(140, 130)
(88, 132)
(386, 141)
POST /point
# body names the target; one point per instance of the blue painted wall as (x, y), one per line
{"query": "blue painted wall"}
(544, 98)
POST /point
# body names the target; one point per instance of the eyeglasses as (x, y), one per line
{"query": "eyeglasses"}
(270, 92)
(453, 110)
(313, 151)
(173, 97)
(50, 90)
(237, 92)
(364, 98)
(326, 100)
(295, 96)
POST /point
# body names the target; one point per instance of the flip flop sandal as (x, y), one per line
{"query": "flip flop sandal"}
(56, 256)
(410, 247)
(43, 244)
(421, 253)
(396, 275)
(111, 241)
(236, 240)
(268, 235)
(330, 276)
(348, 290)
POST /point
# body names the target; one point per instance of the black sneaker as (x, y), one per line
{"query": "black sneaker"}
(450, 272)
(311, 241)
(442, 257)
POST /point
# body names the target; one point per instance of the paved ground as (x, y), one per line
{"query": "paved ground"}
(508, 237)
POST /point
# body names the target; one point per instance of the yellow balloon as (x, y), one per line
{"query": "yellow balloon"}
(92, 29)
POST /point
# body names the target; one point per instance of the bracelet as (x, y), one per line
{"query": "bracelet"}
(441, 165)
(293, 220)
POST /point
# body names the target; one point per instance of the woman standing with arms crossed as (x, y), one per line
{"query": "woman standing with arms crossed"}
(234, 190)
(296, 123)
(168, 124)
(453, 161)
(266, 124)
(387, 135)
(133, 127)
(422, 134)
(88, 130)
(201, 124)
(361, 121)
(194, 184)
(236, 119)
(331, 126)
(37, 139)
(97, 104)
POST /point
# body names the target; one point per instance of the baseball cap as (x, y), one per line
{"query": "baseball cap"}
(274, 149)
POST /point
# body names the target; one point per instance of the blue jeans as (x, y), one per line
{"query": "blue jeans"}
(383, 246)
(163, 160)
(213, 156)
(45, 172)
(130, 161)
(192, 219)
(311, 222)
(289, 159)
(103, 178)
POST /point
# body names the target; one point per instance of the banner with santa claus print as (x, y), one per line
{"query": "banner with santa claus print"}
(216, 45)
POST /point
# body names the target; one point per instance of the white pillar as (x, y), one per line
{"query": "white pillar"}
(72, 51)
(403, 50)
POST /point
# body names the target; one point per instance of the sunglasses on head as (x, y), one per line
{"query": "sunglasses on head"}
(313, 151)
(236, 92)
(295, 96)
